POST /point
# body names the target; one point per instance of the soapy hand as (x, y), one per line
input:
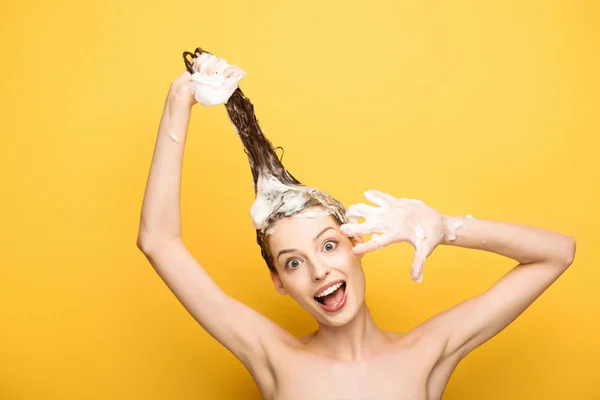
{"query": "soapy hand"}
(395, 221)
(212, 81)
(216, 79)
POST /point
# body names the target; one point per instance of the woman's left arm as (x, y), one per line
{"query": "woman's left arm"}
(542, 257)
(524, 244)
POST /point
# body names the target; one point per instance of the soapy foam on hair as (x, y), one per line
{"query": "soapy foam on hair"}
(312, 214)
(276, 198)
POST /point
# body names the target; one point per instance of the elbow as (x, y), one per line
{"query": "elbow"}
(571, 249)
(149, 244)
(143, 244)
(150, 238)
(143, 237)
(568, 251)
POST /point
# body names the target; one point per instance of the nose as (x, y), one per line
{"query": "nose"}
(320, 272)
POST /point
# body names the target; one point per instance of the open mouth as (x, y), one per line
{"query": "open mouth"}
(332, 298)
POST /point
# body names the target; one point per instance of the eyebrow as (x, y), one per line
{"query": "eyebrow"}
(314, 239)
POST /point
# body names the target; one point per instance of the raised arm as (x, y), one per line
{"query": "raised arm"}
(542, 256)
(240, 329)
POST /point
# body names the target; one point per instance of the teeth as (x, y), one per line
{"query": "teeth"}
(330, 290)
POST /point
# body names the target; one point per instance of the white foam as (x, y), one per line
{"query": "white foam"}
(172, 136)
(211, 80)
(273, 196)
(270, 196)
(455, 223)
(312, 214)
(451, 226)
(213, 89)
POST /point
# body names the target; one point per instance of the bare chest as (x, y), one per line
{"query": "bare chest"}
(384, 377)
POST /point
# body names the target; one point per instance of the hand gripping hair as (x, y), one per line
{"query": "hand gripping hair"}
(278, 193)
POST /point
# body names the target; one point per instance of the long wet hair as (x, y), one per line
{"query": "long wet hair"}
(263, 159)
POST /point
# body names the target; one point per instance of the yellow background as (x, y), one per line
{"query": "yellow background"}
(484, 108)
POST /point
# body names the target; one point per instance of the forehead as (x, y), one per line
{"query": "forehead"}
(291, 232)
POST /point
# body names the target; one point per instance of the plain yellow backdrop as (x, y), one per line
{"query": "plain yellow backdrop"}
(483, 108)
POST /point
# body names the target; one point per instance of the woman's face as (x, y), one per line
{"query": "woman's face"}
(310, 254)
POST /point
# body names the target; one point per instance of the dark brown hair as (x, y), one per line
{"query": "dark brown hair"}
(263, 159)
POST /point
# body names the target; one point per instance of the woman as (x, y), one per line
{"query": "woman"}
(313, 248)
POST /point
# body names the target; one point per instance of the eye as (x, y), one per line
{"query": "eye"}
(293, 263)
(330, 245)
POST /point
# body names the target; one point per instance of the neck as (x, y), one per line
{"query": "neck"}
(351, 341)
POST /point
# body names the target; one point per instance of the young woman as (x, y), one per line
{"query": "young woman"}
(313, 248)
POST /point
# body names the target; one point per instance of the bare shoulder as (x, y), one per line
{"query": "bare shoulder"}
(306, 338)
(392, 336)
(418, 338)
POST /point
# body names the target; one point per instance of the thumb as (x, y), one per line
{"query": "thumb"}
(416, 269)
(422, 248)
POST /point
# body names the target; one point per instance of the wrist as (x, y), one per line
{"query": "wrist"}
(180, 97)
(450, 226)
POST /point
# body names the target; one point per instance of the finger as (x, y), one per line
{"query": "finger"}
(365, 228)
(201, 59)
(211, 65)
(416, 201)
(379, 198)
(198, 61)
(220, 66)
(207, 64)
(229, 71)
(375, 243)
(416, 269)
(239, 75)
(363, 211)
(427, 247)
(233, 70)
(233, 81)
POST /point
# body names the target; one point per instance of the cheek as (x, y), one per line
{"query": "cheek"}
(346, 249)
(294, 286)
(345, 260)
(351, 263)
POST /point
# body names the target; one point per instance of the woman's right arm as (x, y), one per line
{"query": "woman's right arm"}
(240, 329)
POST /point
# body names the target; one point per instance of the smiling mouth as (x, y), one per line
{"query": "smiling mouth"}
(334, 297)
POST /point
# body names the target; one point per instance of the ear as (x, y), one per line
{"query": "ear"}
(356, 240)
(277, 282)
